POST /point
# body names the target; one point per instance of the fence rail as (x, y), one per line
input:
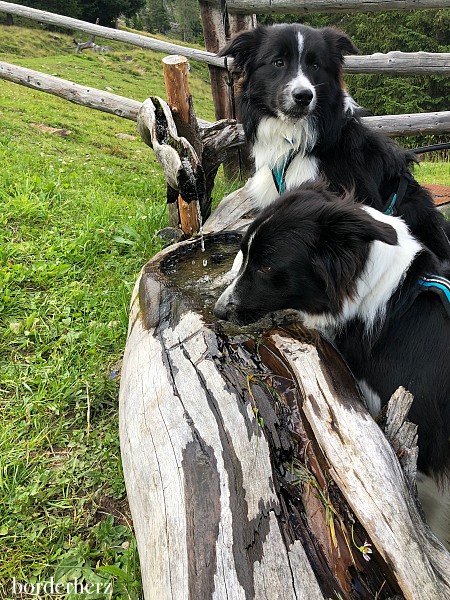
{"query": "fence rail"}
(135, 39)
(309, 6)
(402, 63)
(392, 125)
(68, 90)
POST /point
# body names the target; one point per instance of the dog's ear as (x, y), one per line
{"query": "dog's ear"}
(346, 222)
(340, 42)
(243, 48)
(345, 228)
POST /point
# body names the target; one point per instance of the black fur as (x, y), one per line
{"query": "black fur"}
(351, 156)
(305, 252)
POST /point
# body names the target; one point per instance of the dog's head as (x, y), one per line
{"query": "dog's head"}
(304, 252)
(288, 68)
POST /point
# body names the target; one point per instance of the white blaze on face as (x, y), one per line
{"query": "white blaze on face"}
(233, 276)
(300, 81)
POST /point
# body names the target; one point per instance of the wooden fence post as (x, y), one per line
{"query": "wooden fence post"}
(181, 213)
(218, 26)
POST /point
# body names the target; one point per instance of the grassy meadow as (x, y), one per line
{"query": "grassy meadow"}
(78, 220)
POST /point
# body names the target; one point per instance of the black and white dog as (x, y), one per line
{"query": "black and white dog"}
(359, 277)
(302, 125)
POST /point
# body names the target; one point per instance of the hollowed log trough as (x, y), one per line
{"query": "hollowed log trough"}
(252, 467)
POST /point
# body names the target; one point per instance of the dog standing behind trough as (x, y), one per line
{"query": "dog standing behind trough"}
(367, 284)
(303, 125)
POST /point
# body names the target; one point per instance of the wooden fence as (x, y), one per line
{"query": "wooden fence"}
(219, 24)
(399, 63)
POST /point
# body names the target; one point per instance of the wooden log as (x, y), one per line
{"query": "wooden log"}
(142, 41)
(308, 6)
(68, 90)
(413, 124)
(376, 493)
(181, 165)
(179, 99)
(404, 63)
(399, 63)
(252, 468)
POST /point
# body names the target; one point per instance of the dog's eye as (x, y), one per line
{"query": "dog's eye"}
(264, 269)
(315, 66)
(279, 62)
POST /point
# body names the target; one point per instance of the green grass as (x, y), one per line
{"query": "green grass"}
(78, 221)
(433, 172)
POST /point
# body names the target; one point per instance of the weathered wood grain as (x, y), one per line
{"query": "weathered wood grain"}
(214, 511)
(179, 99)
(308, 6)
(68, 90)
(365, 467)
(197, 466)
(399, 63)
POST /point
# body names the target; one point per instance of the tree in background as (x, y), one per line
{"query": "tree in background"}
(69, 8)
(179, 18)
(153, 17)
(107, 11)
(188, 14)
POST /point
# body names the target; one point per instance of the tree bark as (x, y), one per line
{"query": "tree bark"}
(179, 99)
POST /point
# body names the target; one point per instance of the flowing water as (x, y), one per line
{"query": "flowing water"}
(199, 271)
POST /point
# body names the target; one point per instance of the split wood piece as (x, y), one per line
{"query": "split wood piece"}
(90, 44)
(180, 163)
(197, 467)
(234, 213)
(365, 468)
(207, 436)
(186, 174)
(402, 435)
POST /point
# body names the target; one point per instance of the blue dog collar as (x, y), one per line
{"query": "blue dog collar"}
(279, 171)
(439, 285)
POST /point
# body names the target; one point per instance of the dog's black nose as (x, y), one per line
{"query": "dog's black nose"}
(302, 96)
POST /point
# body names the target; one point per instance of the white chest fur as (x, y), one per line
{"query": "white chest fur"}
(275, 139)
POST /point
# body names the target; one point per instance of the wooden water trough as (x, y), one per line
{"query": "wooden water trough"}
(252, 467)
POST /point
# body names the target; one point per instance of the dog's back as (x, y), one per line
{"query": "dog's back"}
(365, 282)
(303, 125)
